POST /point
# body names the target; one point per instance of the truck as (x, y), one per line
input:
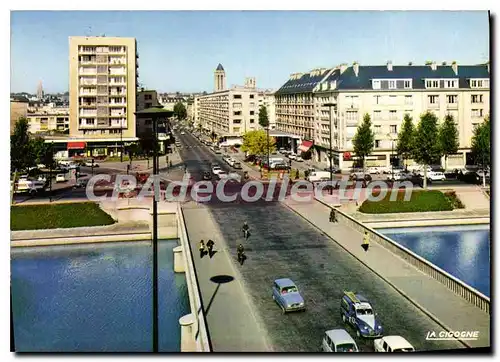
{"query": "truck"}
(29, 186)
(316, 176)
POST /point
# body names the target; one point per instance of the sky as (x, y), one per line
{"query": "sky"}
(179, 50)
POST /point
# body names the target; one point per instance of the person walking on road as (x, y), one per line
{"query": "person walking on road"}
(333, 216)
(241, 254)
(210, 246)
(366, 241)
(202, 249)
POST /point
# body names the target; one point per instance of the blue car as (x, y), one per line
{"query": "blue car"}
(287, 295)
(357, 311)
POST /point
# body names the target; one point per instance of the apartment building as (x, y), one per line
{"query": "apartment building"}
(18, 109)
(48, 123)
(386, 93)
(266, 99)
(103, 83)
(228, 112)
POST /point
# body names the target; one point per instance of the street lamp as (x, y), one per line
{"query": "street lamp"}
(392, 154)
(330, 155)
(155, 113)
(268, 165)
(50, 170)
(121, 143)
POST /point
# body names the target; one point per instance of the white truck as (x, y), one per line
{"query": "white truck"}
(29, 186)
(317, 176)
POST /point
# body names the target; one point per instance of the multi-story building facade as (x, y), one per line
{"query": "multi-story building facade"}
(228, 112)
(387, 93)
(266, 99)
(18, 109)
(145, 99)
(45, 123)
(103, 83)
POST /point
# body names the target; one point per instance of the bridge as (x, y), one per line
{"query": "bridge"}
(293, 240)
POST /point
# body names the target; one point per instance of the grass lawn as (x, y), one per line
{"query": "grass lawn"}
(33, 217)
(421, 201)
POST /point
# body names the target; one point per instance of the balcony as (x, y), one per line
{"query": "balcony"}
(88, 105)
(433, 105)
(351, 122)
(451, 105)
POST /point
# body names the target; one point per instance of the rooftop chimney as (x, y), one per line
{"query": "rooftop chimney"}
(444, 63)
(389, 66)
(433, 65)
(454, 66)
(410, 63)
(355, 67)
(343, 67)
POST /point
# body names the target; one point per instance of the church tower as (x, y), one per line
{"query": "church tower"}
(220, 79)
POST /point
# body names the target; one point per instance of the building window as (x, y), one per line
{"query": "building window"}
(252, 120)
(237, 96)
(451, 83)
(377, 114)
(452, 99)
(376, 99)
(148, 105)
(237, 121)
(237, 113)
(431, 84)
(392, 84)
(476, 98)
(378, 128)
(377, 143)
(407, 84)
(393, 114)
(252, 113)
(376, 84)
(394, 128)
(433, 99)
(476, 83)
(148, 97)
(476, 113)
(351, 115)
(251, 96)
(408, 100)
(393, 99)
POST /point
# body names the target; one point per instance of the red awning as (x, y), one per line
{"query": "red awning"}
(76, 145)
(305, 146)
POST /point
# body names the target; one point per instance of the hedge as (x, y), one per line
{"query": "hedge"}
(421, 201)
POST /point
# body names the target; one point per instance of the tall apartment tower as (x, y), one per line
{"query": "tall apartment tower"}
(102, 87)
(220, 79)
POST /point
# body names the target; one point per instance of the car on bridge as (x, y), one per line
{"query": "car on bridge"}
(338, 340)
(392, 344)
(216, 169)
(207, 175)
(357, 311)
(287, 295)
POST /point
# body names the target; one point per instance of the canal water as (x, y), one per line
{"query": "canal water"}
(462, 251)
(95, 298)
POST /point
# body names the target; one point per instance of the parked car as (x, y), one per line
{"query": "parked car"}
(335, 169)
(400, 176)
(292, 156)
(317, 176)
(338, 340)
(357, 311)
(182, 132)
(287, 295)
(280, 166)
(91, 164)
(360, 176)
(60, 178)
(236, 165)
(216, 170)
(376, 170)
(436, 176)
(81, 184)
(392, 344)
(299, 159)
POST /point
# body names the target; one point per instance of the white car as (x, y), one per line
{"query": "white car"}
(182, 132)
(292, 156)
(216, 170)
(376, 170)
(392, 344)
(399, 176)
(60, 178)
(299, 159)
(338, 340)
(436, 176)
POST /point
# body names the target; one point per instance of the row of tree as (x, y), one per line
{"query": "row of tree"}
(427, 142)
(27, 150)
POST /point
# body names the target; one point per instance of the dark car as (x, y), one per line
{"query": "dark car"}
(207, 175)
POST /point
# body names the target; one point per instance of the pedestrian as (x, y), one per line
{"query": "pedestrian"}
(366, 242)
(210, 246)
(333, 216)
(202, 249)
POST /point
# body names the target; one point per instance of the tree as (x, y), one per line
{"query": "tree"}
(427, 148)
(21, 155)
(406, 137)
(255, 143)
(263, 118)
(180, 111)
(481, 146)
(448, 138)
(364, 140)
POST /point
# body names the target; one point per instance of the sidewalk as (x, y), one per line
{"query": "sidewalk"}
(434, 299)
(142, 165)
(232, 322)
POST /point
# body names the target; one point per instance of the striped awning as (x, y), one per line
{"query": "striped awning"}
(305, 146)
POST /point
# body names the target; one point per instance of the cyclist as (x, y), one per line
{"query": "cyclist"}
(245, 229)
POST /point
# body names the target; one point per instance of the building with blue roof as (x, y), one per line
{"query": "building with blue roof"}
(385, 92)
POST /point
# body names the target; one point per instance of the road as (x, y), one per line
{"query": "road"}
(283, 244)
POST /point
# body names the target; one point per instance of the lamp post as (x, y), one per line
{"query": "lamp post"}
(155, 113)
(391, 160)
(50, 170)
(121, 143)
(268, 151)
(330, 155)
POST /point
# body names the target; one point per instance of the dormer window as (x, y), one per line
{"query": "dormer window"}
(392, 84)
(376, 84)
(479, 83)
(431, 83)
(451, 83)
(407, 84)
